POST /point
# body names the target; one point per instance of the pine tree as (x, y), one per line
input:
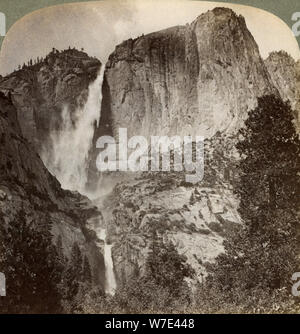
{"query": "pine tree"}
(165, 266)
(76, 259)
(73, 274)
(262, 256)
(162, 286)
(60, 252)
(87, 273)
(192, 198)
(30, 264)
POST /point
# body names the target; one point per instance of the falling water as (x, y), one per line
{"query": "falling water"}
(68, 157)
(110, 280)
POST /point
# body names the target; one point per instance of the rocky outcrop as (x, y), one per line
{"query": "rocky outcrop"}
(285, 75)
(194, 79)
(25, 184)
(39, 91)
(196, 219)
(198, 79)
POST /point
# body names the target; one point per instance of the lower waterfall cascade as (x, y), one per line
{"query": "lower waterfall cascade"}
(110, 279)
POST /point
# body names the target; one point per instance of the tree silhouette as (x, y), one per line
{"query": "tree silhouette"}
(87, 273)
(73, 274)
(31, 266)
(263, 254)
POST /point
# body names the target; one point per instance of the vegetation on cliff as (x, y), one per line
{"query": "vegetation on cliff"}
(255, 272)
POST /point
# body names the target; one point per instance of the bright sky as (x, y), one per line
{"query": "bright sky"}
(99, 26)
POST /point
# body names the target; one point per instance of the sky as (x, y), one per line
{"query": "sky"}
(101, 25)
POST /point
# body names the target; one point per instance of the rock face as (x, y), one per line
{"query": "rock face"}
(285, 75)
(25, 184)
(196, 219)
(40, 91)
(198, 79)
(194, 79)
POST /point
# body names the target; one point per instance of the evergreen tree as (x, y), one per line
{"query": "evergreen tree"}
(73, 274)
(87, 273)
(30, 264)
(60, 252)
(162, 286)
(76, 260)
(262, 256)
(166, 267)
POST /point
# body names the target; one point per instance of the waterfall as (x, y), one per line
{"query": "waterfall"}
(67, 158)
(110, 280)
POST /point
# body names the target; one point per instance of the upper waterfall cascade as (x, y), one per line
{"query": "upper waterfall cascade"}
(67, 158)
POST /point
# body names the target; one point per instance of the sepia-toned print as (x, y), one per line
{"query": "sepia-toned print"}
(150, 160)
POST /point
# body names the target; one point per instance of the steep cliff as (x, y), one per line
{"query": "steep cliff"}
(194, 79)
(196, 219)
(285, 75)
(26, 186)
(198, 79)
(40, 91)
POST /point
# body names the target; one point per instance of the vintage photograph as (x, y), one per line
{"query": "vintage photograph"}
(149, 160)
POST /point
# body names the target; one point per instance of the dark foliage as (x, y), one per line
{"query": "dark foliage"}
(263, 254)
(30, 263)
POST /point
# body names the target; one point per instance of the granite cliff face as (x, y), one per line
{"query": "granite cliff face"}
(25, 184)
(285, 75)
(198, 79)
(194, 79)
(40, 91)
(196, 219)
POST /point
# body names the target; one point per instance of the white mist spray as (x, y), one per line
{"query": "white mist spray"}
(68, 158)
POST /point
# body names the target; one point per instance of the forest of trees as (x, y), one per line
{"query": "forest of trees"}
(31, 268)
(39, 278)
(39, 60)
(254, 275)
